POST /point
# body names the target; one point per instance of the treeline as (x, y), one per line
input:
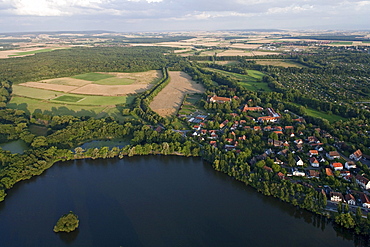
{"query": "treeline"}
(69, 62)
(5, 92)
(141, 103)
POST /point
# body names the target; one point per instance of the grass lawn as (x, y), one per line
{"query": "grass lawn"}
(330, 118)
(314, 113)
(35, 93)
(69, 98)
(342, 43)
(54, 109)
(92, 76)
(115, 81)
(31, 52)
(366, 42)
(252, 81)
(96, 100)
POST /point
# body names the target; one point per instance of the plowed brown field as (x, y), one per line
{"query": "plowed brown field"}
(168, 101)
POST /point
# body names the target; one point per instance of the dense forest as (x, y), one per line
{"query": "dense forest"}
(68, 62)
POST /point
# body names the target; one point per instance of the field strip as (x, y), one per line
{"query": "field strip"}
(47, 86)
(111, 90)
(169, 100)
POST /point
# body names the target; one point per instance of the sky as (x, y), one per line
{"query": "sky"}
(182, 15)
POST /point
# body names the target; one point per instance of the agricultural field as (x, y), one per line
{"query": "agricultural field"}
(26, 51)
(82, 95)
(279, 62)
(169, 100)
(252, 81)
(104, 84)
(342, 43)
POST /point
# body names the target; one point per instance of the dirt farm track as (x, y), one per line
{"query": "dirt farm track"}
(169, 100)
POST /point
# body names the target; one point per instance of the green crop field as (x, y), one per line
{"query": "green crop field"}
(69, 98)
(342, 43)
(252, 81)
(115, 81)
(31, 52)
(35, 93)
(92, 76)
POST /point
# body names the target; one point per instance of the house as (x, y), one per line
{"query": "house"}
(314, 162)
(313, 152)
(278, 162)
(267, 119)
(363, 182)
(329, 172)
(337, 166)
(350, 165)
(357, 155)
(252, 108)
(344, 174)
(333, 155)
(213, 143)
(313, 174)
(336, 197)
(320, 159)
(281, 175)
(299, 141)
(298, 161)
(313, 139)
(350, 199)
(269, 169)
(283, 152)
(364, 200)
(267, 128)
(257, 128)
(298, 173)
(272, 113)
(217, 99)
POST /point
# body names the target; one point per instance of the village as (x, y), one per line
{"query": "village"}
(299, 152)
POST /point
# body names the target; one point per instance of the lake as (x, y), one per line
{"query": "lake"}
(154, 201)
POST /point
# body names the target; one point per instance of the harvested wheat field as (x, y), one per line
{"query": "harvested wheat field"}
(118, 85)
(111, 90)
(169, 100)
(47, 86)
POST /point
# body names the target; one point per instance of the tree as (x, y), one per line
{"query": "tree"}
(67, 223)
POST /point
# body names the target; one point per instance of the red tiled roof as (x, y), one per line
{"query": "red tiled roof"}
(337, 164)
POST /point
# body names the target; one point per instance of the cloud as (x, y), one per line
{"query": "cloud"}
(52, 7)
(156, 14)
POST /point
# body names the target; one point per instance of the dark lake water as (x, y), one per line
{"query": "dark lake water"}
(154, 201)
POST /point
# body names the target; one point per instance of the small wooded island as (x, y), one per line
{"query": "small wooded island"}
(67, 223)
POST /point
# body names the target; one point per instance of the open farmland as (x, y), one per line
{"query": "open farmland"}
(104, 84)
(169, 100)
(80, 97)
(279, 62)
(26, 51)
